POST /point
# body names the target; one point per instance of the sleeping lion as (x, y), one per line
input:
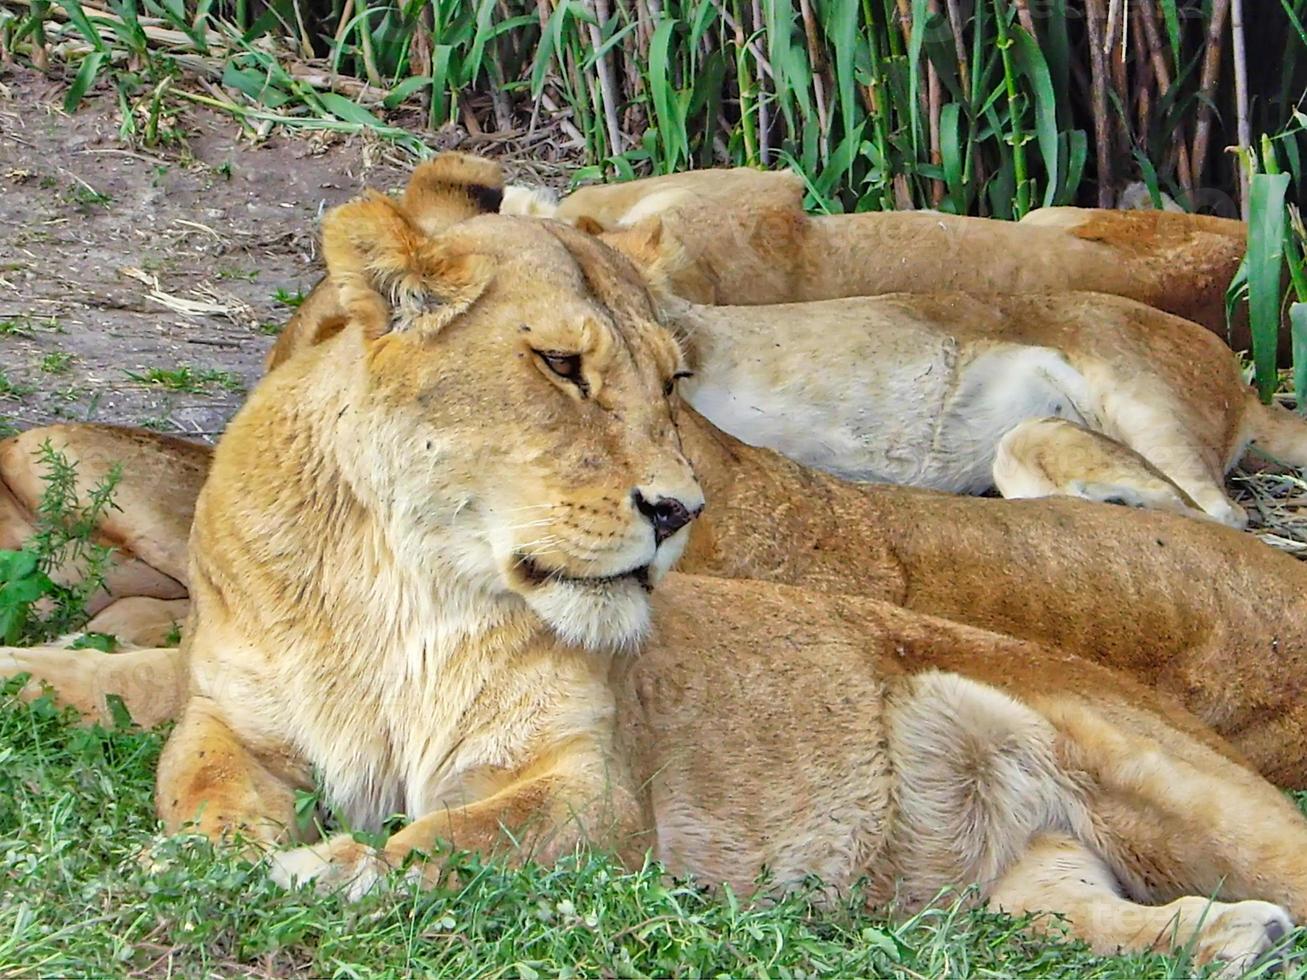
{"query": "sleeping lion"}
(919, 388)
(745, 240)
(430, 564)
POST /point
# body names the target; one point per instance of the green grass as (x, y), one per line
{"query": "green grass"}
(285, 297)
(76, 814)
(13, 389)
(187, 379)
(57, 362)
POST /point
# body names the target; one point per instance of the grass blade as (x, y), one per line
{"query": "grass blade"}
(1265, 267)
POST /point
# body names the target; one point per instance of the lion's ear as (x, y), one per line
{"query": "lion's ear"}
(389, 275)
(654, 250)
(451, 188)
(589, 225)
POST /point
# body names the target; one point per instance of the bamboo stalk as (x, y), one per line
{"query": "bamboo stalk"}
(1241, 101)
(1116, 44)
(1014, 115)
(1095, 22)
(1153, 35)
(764, 137)
(934, 100)
(1024, 19)
(960, 45)
(817, 63)
(1144, 79)
(1207, 86)
(607, 84)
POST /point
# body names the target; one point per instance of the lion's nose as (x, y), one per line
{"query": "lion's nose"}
(667, 514)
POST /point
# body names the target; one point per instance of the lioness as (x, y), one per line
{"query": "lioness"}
(919, 388)
(744, 239)
(489, 663)
(1209, 616)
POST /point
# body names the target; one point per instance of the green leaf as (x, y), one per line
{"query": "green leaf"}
(16, 564)
(1266, 229)
(950, 150)
(404, 89)
(1298, 334)
(256, 85)
(83, 24)
(664, 100)
(85, 79)
(118, 713)
(103, 642)
(1030, 63)
(349, 111)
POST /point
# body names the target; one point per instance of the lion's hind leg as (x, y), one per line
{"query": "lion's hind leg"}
(1094, 810)
(1056, 457)
(1060, 873)
(149, 682)
(1159, 431)
(1173, 824)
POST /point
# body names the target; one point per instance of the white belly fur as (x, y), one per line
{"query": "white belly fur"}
(926, 413)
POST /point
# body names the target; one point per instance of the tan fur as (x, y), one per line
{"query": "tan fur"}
(148, 526)
(940, 376)
(452, 184)
(448, 677)
(478, 670)
(919, 389)
(1042, 457)
(741, 238)
(1212, 618)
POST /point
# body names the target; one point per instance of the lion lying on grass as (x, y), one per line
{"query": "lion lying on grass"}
(741, 237)
(429, 564)
(1209, 616)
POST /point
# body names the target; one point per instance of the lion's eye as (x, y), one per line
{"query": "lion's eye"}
(565, 366)
(671, 382)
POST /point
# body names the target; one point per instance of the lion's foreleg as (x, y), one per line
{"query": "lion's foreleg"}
(535, 819)
(212, 781)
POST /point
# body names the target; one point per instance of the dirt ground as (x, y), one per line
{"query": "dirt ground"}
(118, 261)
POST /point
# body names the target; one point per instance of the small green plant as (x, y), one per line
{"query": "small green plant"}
(13, 389)
(57, 362)
(186, 378)
(286, 298)
(26, 326)
(271, 329)
(34, 608)
(95, 641)
(86, 197)
(17, 327)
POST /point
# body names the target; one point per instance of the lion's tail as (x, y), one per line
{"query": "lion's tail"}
(1278, 431)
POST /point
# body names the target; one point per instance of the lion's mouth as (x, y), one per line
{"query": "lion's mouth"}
(537, 574)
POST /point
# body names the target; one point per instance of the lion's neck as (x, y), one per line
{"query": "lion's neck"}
(375, 626)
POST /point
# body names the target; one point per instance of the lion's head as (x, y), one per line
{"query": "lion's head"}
(511, 410)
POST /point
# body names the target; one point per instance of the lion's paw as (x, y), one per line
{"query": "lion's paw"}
(335, 864)
(1241, 935)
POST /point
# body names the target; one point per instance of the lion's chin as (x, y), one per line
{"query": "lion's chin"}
(611, 615)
